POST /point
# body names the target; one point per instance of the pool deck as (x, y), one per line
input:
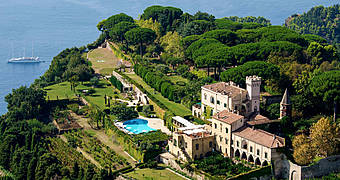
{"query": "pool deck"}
(156, 123)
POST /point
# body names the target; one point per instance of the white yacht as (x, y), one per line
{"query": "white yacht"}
(24, 59)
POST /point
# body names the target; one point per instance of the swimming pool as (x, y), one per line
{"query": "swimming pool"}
(137, 126)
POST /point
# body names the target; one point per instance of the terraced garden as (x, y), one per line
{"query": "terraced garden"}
(106, 157)
(66, 154)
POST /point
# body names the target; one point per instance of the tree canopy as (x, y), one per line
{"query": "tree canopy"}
(164, 15)
(115, 19)
(238, 74)
(140, 36)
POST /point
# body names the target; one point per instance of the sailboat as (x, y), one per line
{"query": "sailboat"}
(24, 59)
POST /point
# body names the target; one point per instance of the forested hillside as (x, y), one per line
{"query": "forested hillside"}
(322, 21)
(175, 53)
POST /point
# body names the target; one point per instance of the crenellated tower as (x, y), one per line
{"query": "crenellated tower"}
(253, 89)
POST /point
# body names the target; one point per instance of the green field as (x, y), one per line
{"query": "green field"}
(63, 91)
(159, 174)
(102, 59)
(178, 109)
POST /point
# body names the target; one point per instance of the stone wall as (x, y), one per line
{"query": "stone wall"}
(286, 169)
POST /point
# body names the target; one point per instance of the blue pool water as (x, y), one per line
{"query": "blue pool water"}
(138, 126)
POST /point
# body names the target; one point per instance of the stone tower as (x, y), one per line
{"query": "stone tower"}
(253, 89)
(285, 106)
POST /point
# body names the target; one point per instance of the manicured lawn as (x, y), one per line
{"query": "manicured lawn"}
(159, 174)
(102, 58)
(177, 108)
(63, 91)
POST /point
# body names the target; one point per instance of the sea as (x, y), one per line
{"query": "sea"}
(53, 25)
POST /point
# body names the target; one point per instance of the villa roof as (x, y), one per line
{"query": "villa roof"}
(227, 117)
(260, 137)
(259, 119)
(224, 88)
(183, 121)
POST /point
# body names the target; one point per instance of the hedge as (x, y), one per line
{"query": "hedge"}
(115, 82)
(254, 173)
(157, 81)
(115, 173)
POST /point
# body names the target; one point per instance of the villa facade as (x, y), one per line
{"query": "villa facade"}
(234, 138)
(228, 96)
(190, 141)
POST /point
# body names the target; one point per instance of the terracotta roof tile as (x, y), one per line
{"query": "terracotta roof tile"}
(225, 88)
(259, 119)
(260, 137)
(227, 117)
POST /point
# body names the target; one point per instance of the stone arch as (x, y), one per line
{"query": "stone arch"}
(237, 153)
(265, 163)
(244, 144)
(244, 156)
(251, 159)
(258, 162)
(294, 175)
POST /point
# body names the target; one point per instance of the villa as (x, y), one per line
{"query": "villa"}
(234, 114)
(228, 96)
(190, 141)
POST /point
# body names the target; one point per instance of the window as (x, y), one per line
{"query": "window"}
(226, 141)
(218, 102)
(221, 138)
(237, 143)
(205, 96)
(212, 100)
(215, 125)
(251, 149)
(226, 150)
(201, 155)
(226, 130)
(232, 142)
(225, 105)
(210, 144)
(220, 127)
(197, 146)
(258, 152)
(186, 145)
(175, 142)
(265, 155)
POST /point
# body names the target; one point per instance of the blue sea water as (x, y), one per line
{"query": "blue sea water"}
(53, 25)
(138, 126)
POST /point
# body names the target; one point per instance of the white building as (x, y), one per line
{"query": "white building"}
(228, 96)
(234, 139)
